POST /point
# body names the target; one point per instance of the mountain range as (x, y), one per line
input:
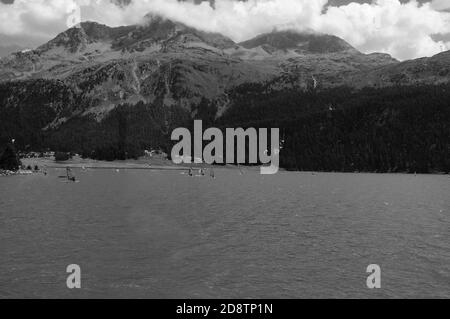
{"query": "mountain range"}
(167, 61)
(91, 69)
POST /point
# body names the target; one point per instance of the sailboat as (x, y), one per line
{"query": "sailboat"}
(70, 175)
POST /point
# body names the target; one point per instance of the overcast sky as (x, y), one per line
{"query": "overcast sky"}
(405, 29)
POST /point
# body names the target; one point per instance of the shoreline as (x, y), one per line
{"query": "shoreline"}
(160, 163)
(79, 163)
(5, 173)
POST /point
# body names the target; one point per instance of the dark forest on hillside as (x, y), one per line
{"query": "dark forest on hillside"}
(396, 129)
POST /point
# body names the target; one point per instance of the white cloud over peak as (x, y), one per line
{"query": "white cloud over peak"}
(403, 30)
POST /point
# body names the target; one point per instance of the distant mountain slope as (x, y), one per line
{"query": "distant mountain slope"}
(307, 42)
(434, 70)
(6, 50)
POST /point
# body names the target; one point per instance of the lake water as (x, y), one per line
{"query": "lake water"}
(160, 234)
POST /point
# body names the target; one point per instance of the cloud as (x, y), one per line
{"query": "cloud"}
(441, 4)
(405, 30)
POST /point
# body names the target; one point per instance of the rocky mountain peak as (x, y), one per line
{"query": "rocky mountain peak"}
(73, 40)
(159, 28)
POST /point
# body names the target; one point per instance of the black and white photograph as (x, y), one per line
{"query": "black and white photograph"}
(224, 150)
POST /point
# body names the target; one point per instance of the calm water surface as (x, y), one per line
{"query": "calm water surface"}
(151, 234)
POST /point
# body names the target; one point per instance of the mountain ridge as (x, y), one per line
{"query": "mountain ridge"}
(167, 62)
